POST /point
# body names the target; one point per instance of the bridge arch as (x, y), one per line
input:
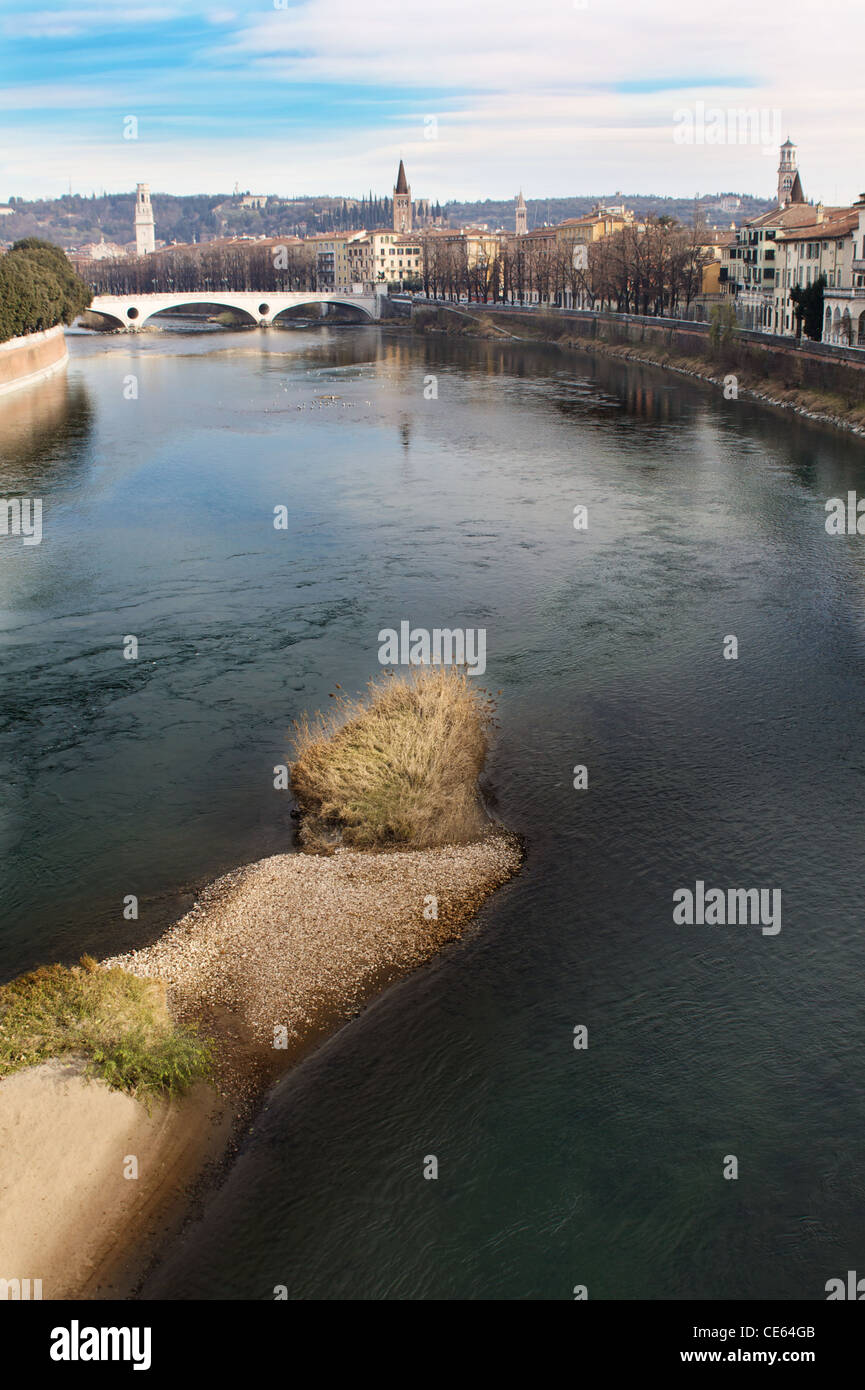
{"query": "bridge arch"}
(145, 315)
(133, 311)
(115, 321)
(302, 301)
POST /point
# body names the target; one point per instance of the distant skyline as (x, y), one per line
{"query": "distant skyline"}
(559, 98)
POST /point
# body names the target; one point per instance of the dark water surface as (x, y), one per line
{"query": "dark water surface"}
(706, 518)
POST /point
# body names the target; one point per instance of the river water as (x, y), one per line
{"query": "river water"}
(159, 460)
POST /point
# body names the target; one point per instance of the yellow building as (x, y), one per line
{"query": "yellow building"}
(331, 260)
(599, 223)
(395, 257)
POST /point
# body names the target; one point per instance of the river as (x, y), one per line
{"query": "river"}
(434, 480)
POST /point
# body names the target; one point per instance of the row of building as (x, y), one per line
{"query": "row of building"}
(793, 246)
(756, 266)
(398, 255)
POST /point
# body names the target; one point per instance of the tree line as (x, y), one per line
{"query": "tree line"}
(38, 289)
(238, 266)
(652, 268)
(73, 220)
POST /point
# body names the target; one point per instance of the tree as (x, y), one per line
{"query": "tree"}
(723, 324)
(38, 289)
(808, 308)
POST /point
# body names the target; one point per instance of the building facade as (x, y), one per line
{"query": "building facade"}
(396, 257)
(844, 302)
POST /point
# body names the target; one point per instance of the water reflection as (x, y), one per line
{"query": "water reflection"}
(44, 433)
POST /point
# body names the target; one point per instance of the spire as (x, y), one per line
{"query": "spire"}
(401, 180)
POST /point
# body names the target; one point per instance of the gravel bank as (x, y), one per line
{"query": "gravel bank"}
(298, 940)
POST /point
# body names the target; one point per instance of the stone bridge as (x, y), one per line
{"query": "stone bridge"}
(131, 311)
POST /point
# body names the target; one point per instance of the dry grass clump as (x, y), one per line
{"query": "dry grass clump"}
(119, 1023)
(399, 769)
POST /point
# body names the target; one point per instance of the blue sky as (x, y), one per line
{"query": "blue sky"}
(323, 96)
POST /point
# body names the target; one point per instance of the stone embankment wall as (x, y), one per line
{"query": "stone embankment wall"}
(26, 360)
(815, 367)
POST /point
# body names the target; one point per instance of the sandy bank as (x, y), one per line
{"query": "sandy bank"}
(66, 1208)
(271, 958)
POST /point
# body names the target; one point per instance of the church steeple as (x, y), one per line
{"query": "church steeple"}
(402, 218)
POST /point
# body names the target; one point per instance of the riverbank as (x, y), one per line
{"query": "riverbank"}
(271, 959)
(276, 955)
(31, 359)
(774, 382)
(92, 1180)
(820, 406)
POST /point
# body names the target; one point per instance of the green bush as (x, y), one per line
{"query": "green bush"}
(117, 1022)
(38, 289)
(722, 325)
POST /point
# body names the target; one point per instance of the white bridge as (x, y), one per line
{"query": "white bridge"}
(131, 311)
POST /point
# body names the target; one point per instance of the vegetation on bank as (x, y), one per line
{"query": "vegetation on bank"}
(831, 390)
(119, 1023)
(757, 376)
(38, 289)
(398, 769)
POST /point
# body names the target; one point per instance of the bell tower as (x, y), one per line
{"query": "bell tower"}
(789, 183)
(402, 202)
(521, 215)
(145, 232)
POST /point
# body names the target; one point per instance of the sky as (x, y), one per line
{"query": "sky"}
(480, 97)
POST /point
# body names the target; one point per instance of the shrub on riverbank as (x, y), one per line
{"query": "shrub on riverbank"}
(399, 769)
(38, 289)
(119, 1023)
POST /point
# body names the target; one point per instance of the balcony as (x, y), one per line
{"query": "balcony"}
(857, 295)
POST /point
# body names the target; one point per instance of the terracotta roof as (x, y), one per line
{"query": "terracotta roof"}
(833, 226)
(792, 215)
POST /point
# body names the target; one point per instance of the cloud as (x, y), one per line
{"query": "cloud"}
(325, 94)
(73, 22)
